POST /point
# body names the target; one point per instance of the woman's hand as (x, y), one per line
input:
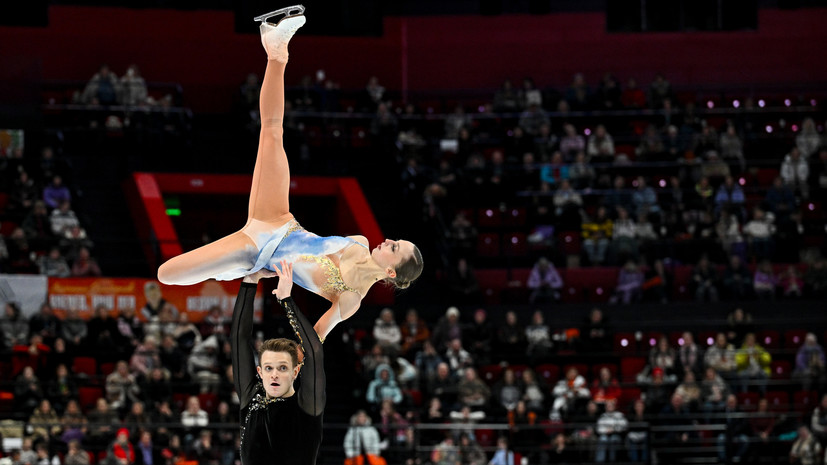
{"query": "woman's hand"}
(262, 273)
(285, 280)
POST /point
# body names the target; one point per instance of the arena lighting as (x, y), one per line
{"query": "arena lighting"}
(736, 103)
(510, 133)
(813, 102)
(652, 342)
(795, 128)
(710, 341)
(514, 240)
(768, 129)
(742, 181)
(710, 104)
(761, 103)
(634, 183)
(568, 238)
(787, 102)
(624, 342)
(662, 183)
(680, 341)
(481, 108)
(587, 131)
(599, 291)
(811, 206)
(489, 213)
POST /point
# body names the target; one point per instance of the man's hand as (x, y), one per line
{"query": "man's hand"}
(285, 280)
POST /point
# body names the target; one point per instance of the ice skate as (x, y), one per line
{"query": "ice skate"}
(275, 37)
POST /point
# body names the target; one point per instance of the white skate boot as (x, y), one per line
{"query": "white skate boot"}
(275, 37)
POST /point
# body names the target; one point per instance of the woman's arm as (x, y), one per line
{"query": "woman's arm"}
(342, 309)
(311, 393)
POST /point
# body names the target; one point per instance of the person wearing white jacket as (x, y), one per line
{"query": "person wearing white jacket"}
(568, 391)
(362, 437)
(795, 171)
(611, 425)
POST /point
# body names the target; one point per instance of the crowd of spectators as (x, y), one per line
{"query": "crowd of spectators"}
(168, 393)
(41, 232)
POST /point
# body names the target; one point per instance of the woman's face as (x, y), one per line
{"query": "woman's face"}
(277, 373)
(390, 253)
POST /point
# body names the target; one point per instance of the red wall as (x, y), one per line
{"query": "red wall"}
(201, 51)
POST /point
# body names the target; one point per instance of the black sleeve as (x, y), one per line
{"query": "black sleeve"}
(241, 340)
(311, 394)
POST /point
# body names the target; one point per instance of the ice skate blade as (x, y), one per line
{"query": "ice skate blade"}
(288, 12)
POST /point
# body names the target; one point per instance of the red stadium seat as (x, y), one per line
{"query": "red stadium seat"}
(85, 365)
(625, 344)
(549, 372)
(794, 338)
(518, 370)
(779, 401)
(769, 339)
(515, 245)
(630, 367)
(489, 218)
(705, 339)
(486, 437)
(805, 401)
(490, 373)
(208, 401)
(88, 396)
(488, 245)
(780, 369)
(748, 401)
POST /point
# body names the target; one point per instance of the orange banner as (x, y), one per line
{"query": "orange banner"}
(117, 294)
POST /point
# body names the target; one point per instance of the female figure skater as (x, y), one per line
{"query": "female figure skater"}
(276, 420)
(340, 269)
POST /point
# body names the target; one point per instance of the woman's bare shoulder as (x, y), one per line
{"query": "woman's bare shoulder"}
(360, 239)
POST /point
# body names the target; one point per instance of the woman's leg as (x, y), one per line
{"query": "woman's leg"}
(234, 252)
(269, 194)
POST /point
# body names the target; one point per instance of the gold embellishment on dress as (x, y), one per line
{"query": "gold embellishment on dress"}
(291, 317)
(293, 228)
(334, 284)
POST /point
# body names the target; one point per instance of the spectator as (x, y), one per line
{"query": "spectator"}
(690, 390)
(714, 391)
(644, 198)
(506, 99)
(215, 323)
(507, 392)
(689, 354)
(780, 199)
(186, 333)
(193, 418)
(479, 337)
(795, 171)
(534, 391)
(121, 387)
(427, 361)
(202, 364)
(63, 218)
(735, 436)
(737, 281)
(581, 172)
(102, 89)
(629, 282)
(605, 387)
(815, 279)
(633, 96)
(739, 324)
(56, 193)
(658, 283)
(503, 455)
(663, 356)
(157, 388)
(618, 197)
(133, 87)
(121, 450)
(611, 426)
(705, 280)
(414, 333)
(14, 327)
(130, 330)
(145, 357)
(61, 389)
(28, 390)
(601, 147)
(137, 419)
(76, 455)
(383, 387)
(532, 119)
(538, 338)
(571, 142)
(361, 441)
(659, 90)
(458, 358)
(74, 238)
(456, 121)
(810, 364)
(44, 422)
(808, 140)
(74, 330)
(24, 194)
(447, 328)
(624, 244)
(637, 439)
(675, 415)
(45, 324)
(728, 229)
(818, 420)
(596, 335)
(792, 286)
(753, 363)
(596, 232)
(84, 265)
(545, 282)
(465, 289)
(732, 149)
(569, 393)
(761, 426)
(818, 174)
(101, 420)
(721, 357)
(651, 146)
(730, 197)
(511, 342)
(765, 281)
(806, 450)
(472, 391)
(470, 451)
(38, 227)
